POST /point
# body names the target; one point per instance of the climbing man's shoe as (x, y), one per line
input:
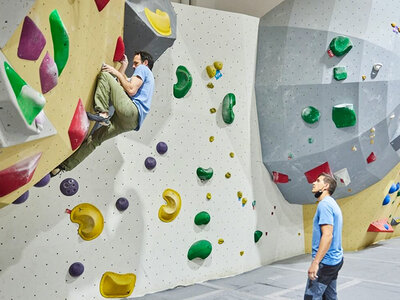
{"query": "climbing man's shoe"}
(97, 118)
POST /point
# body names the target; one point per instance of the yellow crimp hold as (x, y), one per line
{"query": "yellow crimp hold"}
(232, 154)
(213, 110)
(218, 65)
(210, 85)
(241, 253)
(228, 175)
(239, 194)
(371, 142)
(363, 77)
(159, 20)
(220, 241)
(211, 71)
(208, 196)
(90, 220)
(114, 285)
(211, 139)
(168, 212)
(244, 201)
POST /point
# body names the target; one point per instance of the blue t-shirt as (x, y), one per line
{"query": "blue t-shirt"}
(142, 98)
(328, 213)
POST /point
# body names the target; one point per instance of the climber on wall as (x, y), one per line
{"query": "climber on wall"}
(131, 98)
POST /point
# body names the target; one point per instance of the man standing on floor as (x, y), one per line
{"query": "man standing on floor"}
(131, 98)
(327, 251)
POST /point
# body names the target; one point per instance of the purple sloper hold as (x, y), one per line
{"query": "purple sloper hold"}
(48, 73)
(31, 42)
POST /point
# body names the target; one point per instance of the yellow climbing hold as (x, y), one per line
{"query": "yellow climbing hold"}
(210, 85)
(211, 139)
(244, 201)
(372, 129)
(211, 71)
(220, 241)
(168, 212)
(363, 77)
(239, 194)
(228, 175)
(208, 196)
(232, 154)
(90, 220)
(393, 24)
(218, 65)
(354, 148)
(114, 285)
(159, 20)
(213, 110)
(371, 142)
(241, 253)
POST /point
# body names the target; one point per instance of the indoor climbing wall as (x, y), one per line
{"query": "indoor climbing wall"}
(327, 76)
(183, 200)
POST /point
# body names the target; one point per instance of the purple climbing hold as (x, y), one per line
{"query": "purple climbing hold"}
(150, 163)
(22, 198)
(69, 187)
(48, 73)
(31, 42)
(162, 147)
(42, 182)
(122, 204)
(76, 269)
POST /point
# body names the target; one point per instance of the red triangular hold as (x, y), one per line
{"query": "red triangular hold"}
(79, 126)
(312, 174)
(18, 175)
(119, 50)
(381, 225)
(101, 4)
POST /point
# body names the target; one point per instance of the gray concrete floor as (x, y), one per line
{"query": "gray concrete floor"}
(372, 273)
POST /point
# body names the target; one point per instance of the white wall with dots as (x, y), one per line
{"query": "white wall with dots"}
(38, 242)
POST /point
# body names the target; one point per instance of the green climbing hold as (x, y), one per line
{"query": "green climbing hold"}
(257, 235)
(398, 194)
(340, 73)
(343, 115)
(15, 80)
(182, 87)
(340, 45)
(202, 218)
(200, 249)
(204, 174)
(227, 108)
(310, 114)
(60, 41)
(310, 140)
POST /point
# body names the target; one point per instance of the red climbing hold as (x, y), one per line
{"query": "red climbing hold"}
(371, 158)
(119, 50)
(18, 175)
(381, 225)
(101, 4)
(280, 177)
(313, 174)
(79, 126)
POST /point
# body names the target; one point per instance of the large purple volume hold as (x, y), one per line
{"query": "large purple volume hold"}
(122, 204)
(42, 182)
(76, 269)
(69, 187)
(22, 198)
(150, 163)
(162, 147)
(32, 41)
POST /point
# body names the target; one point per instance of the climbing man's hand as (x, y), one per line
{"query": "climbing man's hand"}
(124, 60)
(109, 69)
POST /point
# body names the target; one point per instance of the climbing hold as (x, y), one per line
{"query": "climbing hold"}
(371, 158)
(310, 140)
(76, 269)
(202, 218)
(379, 226)
(90, 220)
(15, 80)
(211, 71)
(182, 87)
(218, 65)
(232, 154)
(221, 241)
(310, 114)
(150, 163)
(22, 198)
(227, 108)
(44, 181)
(393, 24)
(228, 175)
(79, 126)
(395, 221)
(372, 135)
(19, 174)
(162, 148)
(101, 4)
(377, 67)
(372, 129)
(393, 188)
(241, 253)
(371, 142)
(340, 45)
(168, 212)
(239, 194)
(211, 139)
(69, 187)
(204, 174)
(208, 196)
(257, 235)
(253, 204)
(340, 73)
(342, 177)
(31, 42)
(48, 73)
(280, 177)
(60, 41)
(122, 204)
(119, 50)
(354, 148)
(313, 174)
(386, 200)
(244, 201)
(200, 249)
(159, 21)
(212, 110)
(114, 285)
(343, 115)
(210, 85)
(363, 77)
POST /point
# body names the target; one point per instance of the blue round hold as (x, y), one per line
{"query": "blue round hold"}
(161, 147)
(42, 182)
(76, 269)
(69, 187)
(22, 198)
(150, 163)
(122, 204)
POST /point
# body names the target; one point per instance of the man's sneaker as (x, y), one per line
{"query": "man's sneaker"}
(97, 118)
(57, 170)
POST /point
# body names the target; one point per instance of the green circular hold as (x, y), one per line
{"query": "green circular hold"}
(200, 249)
(310, 114)
(202, 218)
(204, 174)
(257, 235)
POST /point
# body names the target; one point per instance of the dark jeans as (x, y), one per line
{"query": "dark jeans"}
(324, 287)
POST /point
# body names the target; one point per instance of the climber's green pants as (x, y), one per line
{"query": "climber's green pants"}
(125, 118)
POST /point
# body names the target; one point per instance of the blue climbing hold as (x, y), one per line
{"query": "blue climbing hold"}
(76, 269)
(22, 198)
(150, 163)
(122, 204)
(386, 226)
(42, 182)
(69, 187)
(386, 200)
(393, 189)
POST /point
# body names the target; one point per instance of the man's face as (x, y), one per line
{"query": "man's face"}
(137, 60)
(319, 184)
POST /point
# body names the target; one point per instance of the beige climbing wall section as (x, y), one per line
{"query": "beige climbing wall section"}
(92, 36)
(359, 211)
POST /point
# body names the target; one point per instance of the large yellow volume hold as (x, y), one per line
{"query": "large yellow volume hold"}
(114, 285)
(159, 20)
(90, 220)
(168, 212)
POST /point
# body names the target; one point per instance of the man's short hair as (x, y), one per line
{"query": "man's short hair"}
(146, 56)
(329, 180)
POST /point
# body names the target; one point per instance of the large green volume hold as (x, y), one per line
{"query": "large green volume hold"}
(227, 108)
(60, 41)
(182, 87)
(200, 249)
(340, 45)
(204, 174)
(202, 218)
